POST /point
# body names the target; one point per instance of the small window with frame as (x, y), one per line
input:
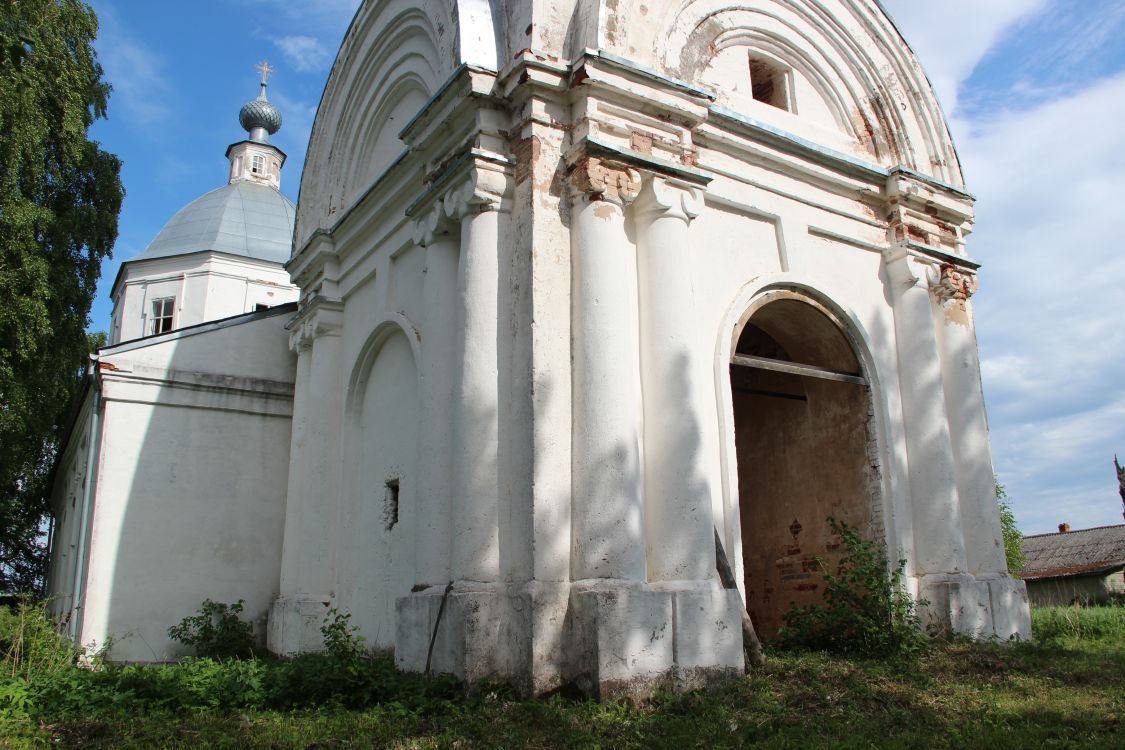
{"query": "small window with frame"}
(258, 164)
(769, 83)
(163, 311)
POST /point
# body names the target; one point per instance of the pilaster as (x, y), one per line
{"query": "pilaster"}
(678, 488)
(607, 466)
(308, 567)
(439, 375)
(938, 538)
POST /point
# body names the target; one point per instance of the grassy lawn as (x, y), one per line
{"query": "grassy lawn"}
(1065, 690)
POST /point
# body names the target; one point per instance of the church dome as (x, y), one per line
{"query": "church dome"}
(243, 218)
(259, 113)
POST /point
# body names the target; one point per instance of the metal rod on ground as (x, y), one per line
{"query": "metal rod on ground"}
(750, 642)
(437, 624)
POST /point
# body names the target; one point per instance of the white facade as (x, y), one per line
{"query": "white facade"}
(582, 288)
(578, 253)
(171, 489)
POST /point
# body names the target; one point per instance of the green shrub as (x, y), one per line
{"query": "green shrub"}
(867, 611)
(216, 631)
(342, 640)
(1013, 539)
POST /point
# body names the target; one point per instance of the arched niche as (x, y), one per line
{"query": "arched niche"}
(805, 448)
(380, 475)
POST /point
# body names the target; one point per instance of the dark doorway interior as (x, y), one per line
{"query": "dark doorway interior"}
(802, 412)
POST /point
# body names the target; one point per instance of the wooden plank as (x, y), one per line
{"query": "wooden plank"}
(750, 643)
(792, 368)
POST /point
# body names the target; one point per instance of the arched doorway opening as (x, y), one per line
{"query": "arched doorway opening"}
(802, 417)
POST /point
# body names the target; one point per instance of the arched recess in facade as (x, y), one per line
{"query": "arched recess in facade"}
(857, 62)
(395, 56)
(379, 473)
(806, 447)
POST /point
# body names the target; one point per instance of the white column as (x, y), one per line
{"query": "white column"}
(290, 557)
(938, 540)
(968, 424)
(476, 491)
(678, 488)
(607, 514)
(439, 371)
(308, 558)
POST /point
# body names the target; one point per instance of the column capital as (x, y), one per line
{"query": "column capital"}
(666, 196)
(317, 317)
(486, 186)
(433, 226)
(604, 180)
(906, 269)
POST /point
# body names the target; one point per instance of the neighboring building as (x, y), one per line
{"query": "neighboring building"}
(171, 486)
(1074, 566)
(581, 287)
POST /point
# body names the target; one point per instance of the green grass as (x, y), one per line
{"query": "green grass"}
(1065, 690)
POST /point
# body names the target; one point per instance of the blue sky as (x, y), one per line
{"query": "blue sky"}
(1035, 94)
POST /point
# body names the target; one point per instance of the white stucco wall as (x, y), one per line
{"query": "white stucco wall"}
(191, 482)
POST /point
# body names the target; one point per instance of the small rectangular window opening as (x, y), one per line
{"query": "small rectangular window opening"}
(162, 313)
(768, 82)
(390, 504)
(257, 164)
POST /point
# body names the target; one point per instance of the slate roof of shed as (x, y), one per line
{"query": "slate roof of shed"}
(1083, 552)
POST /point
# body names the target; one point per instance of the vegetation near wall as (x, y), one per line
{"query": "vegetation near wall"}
(60, 195)
(1065, 690)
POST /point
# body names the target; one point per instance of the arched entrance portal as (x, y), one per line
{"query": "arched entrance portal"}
(802, 413)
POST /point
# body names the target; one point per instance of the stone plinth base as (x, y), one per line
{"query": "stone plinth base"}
(294, 624)
(981, 608)
(627, 640)
(608, 638)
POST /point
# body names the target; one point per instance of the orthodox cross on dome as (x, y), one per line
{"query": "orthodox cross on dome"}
(264, 66)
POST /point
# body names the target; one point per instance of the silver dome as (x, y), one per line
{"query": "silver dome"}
(259, 113)
(242, 218)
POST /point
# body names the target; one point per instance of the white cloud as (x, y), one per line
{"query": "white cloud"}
(952, 36)
(1046, 158)
(305, 53)
(1050, 318)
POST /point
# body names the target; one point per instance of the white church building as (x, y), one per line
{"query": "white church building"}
(582, 288)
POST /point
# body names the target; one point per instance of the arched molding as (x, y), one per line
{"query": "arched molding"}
(750, 299)
(393, 49)
(385, 328)
(821, 73)
(850, 51)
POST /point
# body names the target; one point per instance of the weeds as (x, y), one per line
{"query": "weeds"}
(216, 631)
(867, 611)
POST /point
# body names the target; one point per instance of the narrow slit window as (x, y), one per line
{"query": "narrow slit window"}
(769, 83)
(163, 310)
(390, 507)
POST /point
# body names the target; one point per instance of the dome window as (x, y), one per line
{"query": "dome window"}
(258, 164)
(162, 311)
(769, 83)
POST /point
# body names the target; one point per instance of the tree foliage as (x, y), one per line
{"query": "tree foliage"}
(60, 195)
(1013, 539)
